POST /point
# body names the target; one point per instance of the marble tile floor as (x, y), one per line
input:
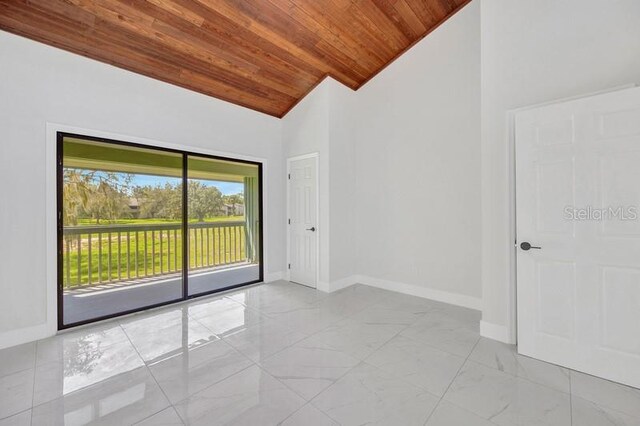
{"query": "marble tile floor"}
(285, 354)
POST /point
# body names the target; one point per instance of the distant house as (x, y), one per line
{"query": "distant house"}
(134, 207)
(233, 209)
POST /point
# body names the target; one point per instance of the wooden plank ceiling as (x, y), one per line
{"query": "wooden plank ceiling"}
(262, 54)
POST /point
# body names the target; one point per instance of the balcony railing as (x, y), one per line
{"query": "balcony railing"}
(114, 253)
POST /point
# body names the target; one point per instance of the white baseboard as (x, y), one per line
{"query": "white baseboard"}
(25, 335)
(496, 332)
(343, 283)
(330, 287)
(425, 292)
(323, 286)
(273, 276)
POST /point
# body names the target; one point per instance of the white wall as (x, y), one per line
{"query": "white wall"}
(535, 51)
(342, 184)
(399, 176)
(418, 167)
(305, 130)
(321, 124)
(40, 84)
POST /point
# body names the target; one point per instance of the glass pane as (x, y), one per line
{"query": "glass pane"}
(122, 228)
(224, 224)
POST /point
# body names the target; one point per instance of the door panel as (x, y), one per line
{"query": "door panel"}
(303, 233)
(578, 192)
(556, 283)
(121, 252)
(223, 224)
(554, 187)
(620, 300)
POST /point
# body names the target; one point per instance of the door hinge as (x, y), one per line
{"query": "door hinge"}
(289, 220)
(289, 175)
(289, 266)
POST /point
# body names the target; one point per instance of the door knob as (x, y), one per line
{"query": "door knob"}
(527, 246)
(312, 229)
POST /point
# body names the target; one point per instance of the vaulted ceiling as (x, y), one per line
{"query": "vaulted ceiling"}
(262, 54)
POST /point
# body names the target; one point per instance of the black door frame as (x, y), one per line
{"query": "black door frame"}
(185, 241)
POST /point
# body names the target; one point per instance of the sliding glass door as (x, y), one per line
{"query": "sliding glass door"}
(224, 224)
(140, 226)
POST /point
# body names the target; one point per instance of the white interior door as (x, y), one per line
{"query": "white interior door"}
(578, 198)
(303, 232)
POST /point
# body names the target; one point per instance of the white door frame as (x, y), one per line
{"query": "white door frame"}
(511, 332)
(316, 156)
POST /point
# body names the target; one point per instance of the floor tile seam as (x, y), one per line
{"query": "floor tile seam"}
(417, 388)
(292, 285)
(526, 379)
(200, 318)
(601, 407)
(467, 361)
(453, 380)
(174, 404)
(226, 339)
(197, 321)
(21, 370)
(608, 407)
(571, 397)
(148, 369)
(430, 345)
(310, 404)
(404, 326)
(229, 297)
(120, 341)
(281, 422)
(333, 382)
(321, 410)
(16, 414)
(220, 339)
(264, 371)
(517, 376)
(35, 370)
(154, 379)
(327, 388)
(217, 335)
(383, 345)
(402, 379)
(76, 391)
(421, 313)
(611, 382)
(412, 385)
(50, 361)
(280, 298)
(459, 408)
(307, 336)
(274, 315)
(158, 412)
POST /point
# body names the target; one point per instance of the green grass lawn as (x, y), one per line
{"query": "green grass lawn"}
(144, 254)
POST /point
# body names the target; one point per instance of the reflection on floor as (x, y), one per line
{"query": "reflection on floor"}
(103, 300)
(283, 354)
